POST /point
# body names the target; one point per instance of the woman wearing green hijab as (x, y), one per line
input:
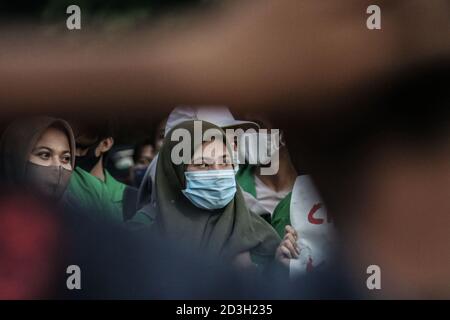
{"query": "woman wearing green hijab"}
(199, 203)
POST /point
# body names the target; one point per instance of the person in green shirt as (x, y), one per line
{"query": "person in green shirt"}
(91, 184)
(288, 201)
(268, 195)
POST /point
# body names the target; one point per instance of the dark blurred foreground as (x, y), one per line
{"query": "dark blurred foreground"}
(367, 114)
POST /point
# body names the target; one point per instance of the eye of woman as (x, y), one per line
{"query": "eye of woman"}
(44, 154)
(66, 158)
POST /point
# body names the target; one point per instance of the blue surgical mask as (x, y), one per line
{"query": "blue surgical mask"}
(210, 189)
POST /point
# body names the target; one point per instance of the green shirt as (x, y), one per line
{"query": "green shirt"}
(143, 217)
(281, 216)
(105, 198)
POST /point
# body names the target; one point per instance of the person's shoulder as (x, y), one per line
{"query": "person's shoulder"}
(245, 170)
(111, 181)
(144, 217)
(79, 171)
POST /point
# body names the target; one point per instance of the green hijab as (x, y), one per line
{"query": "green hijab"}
(225, 232)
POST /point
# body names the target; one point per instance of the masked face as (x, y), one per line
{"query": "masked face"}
(52, 149)
(47, 181)
(210, 189)
(139, 174)
(89, 159)
(210, 180)
(49, 167)
(260, 148)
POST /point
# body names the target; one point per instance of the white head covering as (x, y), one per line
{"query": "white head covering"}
(218, 115)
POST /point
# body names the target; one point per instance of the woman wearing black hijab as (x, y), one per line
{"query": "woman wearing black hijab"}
(37, 157)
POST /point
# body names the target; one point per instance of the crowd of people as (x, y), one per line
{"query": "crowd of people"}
(218, 204)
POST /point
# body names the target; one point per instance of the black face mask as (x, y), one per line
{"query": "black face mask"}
(47, 181)
(89, 160)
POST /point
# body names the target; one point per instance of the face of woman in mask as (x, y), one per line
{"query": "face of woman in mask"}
(49, 164)
(210, 178)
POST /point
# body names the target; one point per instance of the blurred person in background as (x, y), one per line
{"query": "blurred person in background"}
(159, 135)
(30, 237)
(91, 184)
(285, 199)
(267, 195)
(143, 154)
